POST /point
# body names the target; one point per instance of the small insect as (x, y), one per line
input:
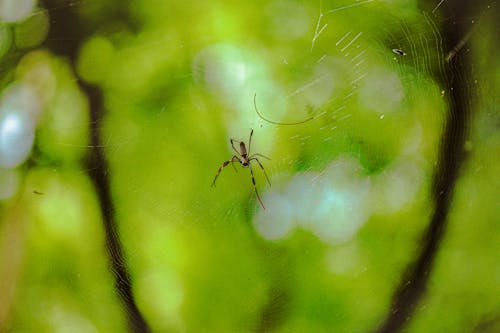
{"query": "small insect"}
(399, 52)
(244, 158)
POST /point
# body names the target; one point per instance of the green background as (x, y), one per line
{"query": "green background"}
(178, 80)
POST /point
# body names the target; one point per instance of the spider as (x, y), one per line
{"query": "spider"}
(244, 158)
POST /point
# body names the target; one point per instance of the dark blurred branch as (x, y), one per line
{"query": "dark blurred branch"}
(276, 310)
(98, 171)
(67, 32)
(457, 82)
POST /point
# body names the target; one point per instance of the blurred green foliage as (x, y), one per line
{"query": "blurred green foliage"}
(178, 81)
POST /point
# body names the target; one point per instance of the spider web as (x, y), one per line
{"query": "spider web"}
(341, 186)
(350, 67)
(330, 176)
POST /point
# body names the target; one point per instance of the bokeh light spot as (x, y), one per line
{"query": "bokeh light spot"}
(289, 19)
(32, 31)
(265, 222)
(228, 71)
(379, 83)
(18, 112)
(15, 10)
(332, 204)
(95, 57)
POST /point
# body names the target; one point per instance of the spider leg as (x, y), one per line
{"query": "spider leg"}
(255, 187)
(262, 167)
(257, 154)
(234, 159)
(250, 141)
(232, 145)
(223, 166)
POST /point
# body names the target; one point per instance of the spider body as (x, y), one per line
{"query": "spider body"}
(244, 158)
(243, 153)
